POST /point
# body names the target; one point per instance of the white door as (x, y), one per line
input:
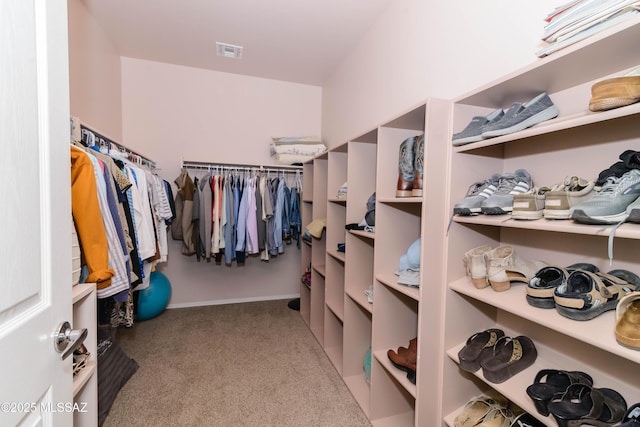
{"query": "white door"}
(35, 212)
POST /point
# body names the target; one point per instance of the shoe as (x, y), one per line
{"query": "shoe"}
(562, 197)
(478, 347)
(406, 360)
(497, 417)
(505, 266)
(476, 194)
(633, 212)
(369, 294)
(473, 131)
(418, 167)
(609, 205)
(501, 201)
(632, 417)
(529, 205)
(342, 192)
(616, 92)
(526, 420)
(476, 409)
(581, 404)
(555, 381)
(476, 266)
(521, 116)
(510, 356)
(586, 295)
(541, 287)
(405, 168)
(628, 321)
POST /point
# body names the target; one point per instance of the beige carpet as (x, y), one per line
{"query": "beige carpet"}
(250, 364)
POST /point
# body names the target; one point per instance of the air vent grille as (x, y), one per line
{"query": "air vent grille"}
(228, 50)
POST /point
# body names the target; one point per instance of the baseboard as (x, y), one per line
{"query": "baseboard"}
(232, 301)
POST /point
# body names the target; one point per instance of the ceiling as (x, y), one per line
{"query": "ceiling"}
(300, 41)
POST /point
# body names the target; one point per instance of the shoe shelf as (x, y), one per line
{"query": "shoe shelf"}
(365, 234)
(391, 281)
(336, 255)
(333, 337)
(359, 268)
(334, 286)
(563, 122)
(357, 340)
(597, 332)
(576, 143)
(85, 382)
(625, 231)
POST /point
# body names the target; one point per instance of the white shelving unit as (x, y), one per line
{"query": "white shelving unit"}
(577, 142)
(447, 309)
(85, 382)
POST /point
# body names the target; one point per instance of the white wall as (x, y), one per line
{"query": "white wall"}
(172, 113)
(419, 49)
(94, 73)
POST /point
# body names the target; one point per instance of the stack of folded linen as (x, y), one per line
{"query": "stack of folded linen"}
(296, 149)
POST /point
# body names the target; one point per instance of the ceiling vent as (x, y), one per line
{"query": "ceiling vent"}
(228, 50)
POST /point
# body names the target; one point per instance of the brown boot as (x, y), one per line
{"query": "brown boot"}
(406, 359)
(405, 168)
(418, 170)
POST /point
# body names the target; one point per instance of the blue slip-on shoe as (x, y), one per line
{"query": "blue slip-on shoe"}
(473, 131)
(522, 116)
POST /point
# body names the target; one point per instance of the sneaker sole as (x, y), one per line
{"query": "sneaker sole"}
(497, 210)
(556, 214)
(526, 215)
(580, 216)
(634, 216)
(542, 116)
(467, 140)
(466, 211)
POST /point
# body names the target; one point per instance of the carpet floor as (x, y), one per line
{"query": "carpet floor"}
(249, 364)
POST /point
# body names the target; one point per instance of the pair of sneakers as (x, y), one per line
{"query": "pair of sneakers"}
(552, 202)
(494, 196)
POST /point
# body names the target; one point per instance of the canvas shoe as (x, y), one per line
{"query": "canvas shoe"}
(609, 205)
(473, 131)
(529, 205)
(562, 197)
(521, 116)
(477, 193)
(342, 192)
(501, 202)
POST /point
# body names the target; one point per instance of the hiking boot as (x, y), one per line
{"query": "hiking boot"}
(609, 205)
(616, 92)
(562, 197)
(473, 131)
(529, 205)
(418, 161)
(477, 193)
(521, 116)
(501, 202)
(405, 168)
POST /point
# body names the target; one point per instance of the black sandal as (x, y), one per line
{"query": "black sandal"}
(582, 404)
(478, 346)
(556, 381)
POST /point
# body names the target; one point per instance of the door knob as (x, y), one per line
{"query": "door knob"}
(68, 340)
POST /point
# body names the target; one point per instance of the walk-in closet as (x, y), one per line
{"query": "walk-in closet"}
(364, 213)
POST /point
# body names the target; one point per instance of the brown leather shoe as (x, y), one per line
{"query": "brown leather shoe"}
(418, 169)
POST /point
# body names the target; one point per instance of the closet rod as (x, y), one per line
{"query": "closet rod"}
(132, 155)
(230, 166)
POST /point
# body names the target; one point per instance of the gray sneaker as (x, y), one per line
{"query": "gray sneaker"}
(476, 194)
(609, 205)
(521, 116)
(633, 212)
(562, 197)
(501, 202)
(473, 131)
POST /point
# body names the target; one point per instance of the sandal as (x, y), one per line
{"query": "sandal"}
(586, 295)
(479, 346)
(540, 288)
(509, 357)
(555, 382)
(628, 320)
(632, 417)
(582, 404)
(477, 409)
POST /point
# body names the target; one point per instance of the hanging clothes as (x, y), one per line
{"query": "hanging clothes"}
(186, 190)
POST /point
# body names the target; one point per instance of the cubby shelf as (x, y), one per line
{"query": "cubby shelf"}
(445, 310)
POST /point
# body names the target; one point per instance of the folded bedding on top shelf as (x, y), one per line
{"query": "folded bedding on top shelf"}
(303, 149)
